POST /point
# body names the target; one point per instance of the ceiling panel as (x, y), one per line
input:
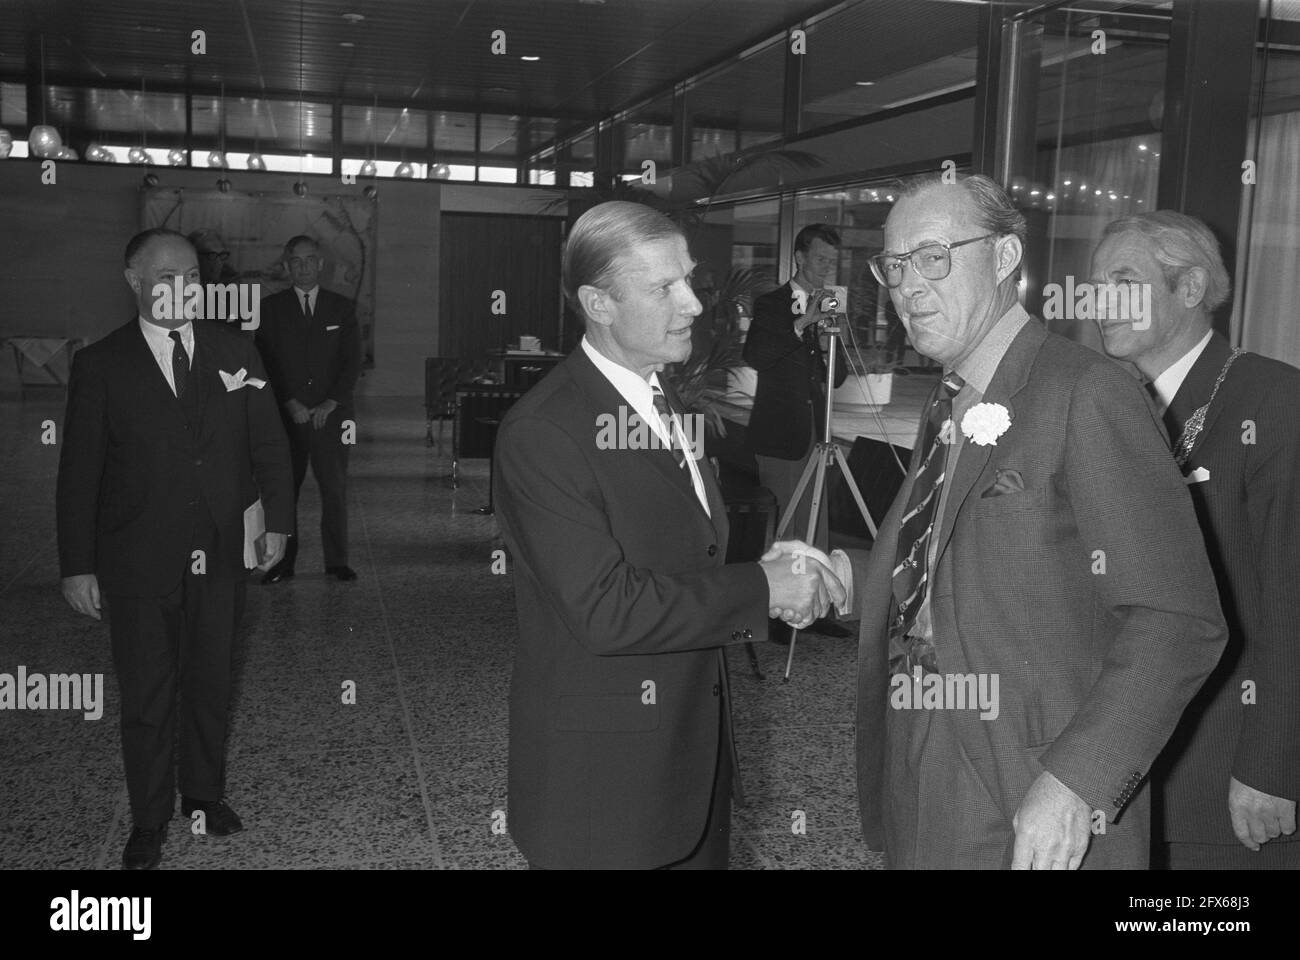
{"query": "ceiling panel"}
(594, 57)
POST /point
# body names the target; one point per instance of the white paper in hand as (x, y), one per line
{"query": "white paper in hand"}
(254, 528)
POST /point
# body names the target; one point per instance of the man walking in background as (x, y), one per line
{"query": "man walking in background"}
(169, 434)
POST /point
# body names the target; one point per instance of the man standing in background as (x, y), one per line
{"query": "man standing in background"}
(312, 346)
(1227, 784)
(784, 346)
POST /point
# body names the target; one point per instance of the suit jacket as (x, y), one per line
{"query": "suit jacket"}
(312, 362)
(789, 401)
(624, 603)
(1249, 511)
(1087, 593)
(132, 461)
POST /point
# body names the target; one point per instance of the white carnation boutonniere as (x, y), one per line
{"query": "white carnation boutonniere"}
(798, 301)
(984, 423)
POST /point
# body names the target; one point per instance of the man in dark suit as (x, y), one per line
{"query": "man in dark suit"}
(311, 343)
(783, 345)
(620, 731)
(168, 435)
(1226, 786)
(1044, 550)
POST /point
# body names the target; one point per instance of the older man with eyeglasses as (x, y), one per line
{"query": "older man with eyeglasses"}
(1038, 608)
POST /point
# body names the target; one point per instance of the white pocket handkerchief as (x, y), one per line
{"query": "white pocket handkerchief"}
(335, 327)
(1199, 475)
(240, 378)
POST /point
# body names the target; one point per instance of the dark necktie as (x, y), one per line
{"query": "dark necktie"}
(666, 417)
(306, 307)
(180, 364)
(912, 561)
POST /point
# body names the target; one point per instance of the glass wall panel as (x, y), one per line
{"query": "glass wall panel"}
(1096, 122)
(745, 96)
(907, 64)
(1267, 284)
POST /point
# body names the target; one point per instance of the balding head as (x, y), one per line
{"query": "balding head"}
(156, 257)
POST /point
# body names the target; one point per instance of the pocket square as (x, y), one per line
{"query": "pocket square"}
(334, 327)
(1005, 482)
(1199, 475)
(240, 378)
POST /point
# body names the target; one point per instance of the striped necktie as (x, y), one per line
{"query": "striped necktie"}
(912, 561)
(669, 421)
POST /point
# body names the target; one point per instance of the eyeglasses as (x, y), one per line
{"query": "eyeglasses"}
(219, 254)
(932, 261)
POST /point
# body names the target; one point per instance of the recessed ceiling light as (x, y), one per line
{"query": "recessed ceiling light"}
(865, 83)
(530, 59)
(354, 17)
(346, 43)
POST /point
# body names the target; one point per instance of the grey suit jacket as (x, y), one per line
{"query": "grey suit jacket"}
(1088, 593)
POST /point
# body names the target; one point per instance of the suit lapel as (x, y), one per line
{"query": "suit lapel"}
(606, 399)
(1195, 391)
(1008, 380)
(712, 493)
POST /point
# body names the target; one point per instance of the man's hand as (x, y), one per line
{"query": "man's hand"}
(811, 314)
(272, 548)
(321, 412)
(298, 411)
(82, 594)
(800, 587)
(822, 564)
(1053, 826)
(1256, 816)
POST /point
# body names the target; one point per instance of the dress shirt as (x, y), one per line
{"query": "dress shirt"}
(977, 370)
(161, 346)
(639, 394)
(311, 297)
(1166, 385)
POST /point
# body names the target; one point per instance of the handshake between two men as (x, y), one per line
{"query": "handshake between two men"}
(804, 583)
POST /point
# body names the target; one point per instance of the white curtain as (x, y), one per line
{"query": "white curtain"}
(1266, 316)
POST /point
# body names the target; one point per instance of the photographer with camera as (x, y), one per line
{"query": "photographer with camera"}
(785, 347)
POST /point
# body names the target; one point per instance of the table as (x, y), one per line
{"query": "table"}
(522, 368)
(51, 354)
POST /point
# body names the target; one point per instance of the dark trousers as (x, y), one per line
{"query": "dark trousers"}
(182, 642)
(328, 455)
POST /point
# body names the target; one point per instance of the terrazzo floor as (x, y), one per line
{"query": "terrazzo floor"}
(410, 776)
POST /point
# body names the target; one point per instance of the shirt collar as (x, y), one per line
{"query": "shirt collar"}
(312, 292)
(978, 368)
(1166, 385)
(635, 389)
(158, 337)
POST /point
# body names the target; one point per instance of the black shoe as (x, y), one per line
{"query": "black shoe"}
(779, 632)
(219, 819)
(144, 848)
(344, 573)
(277, 573)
